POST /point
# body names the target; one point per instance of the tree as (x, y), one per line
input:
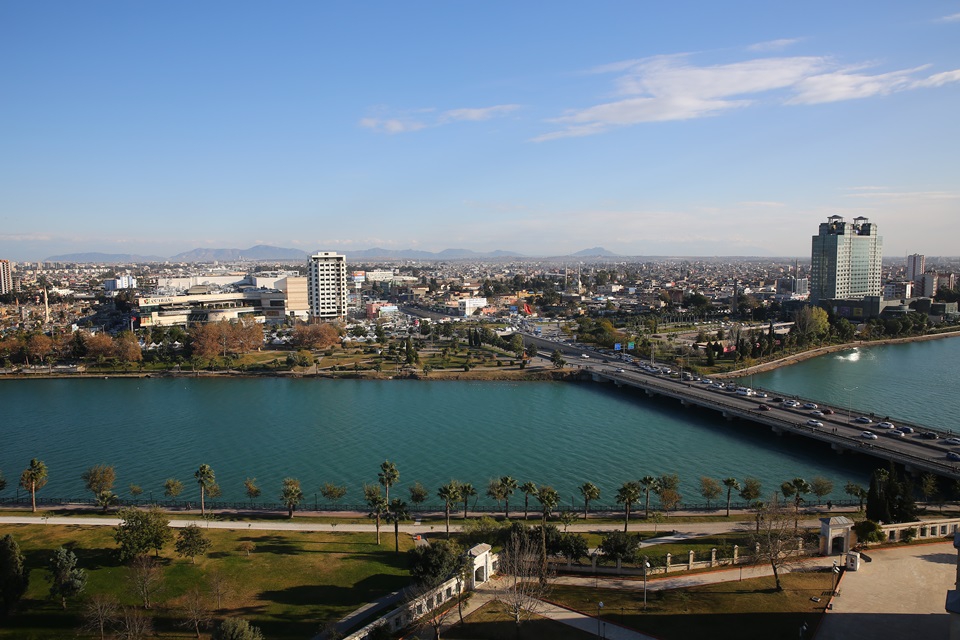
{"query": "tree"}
(388, 476)
(890, 498)
(928, 487)
(219, 587)
(14, 577)
(377, 504)
(731, 484)
(450, 494)
(522, 594)
(527, 489)
(33, 479)
(134, 624)
(573, 546)
(291, 495)
(668, 491)
(205, 480)
(856, 491)
(145, 578)
(100, 613)
(99, 480)
(627, 494)
(172, 488)
(589, 491)
(495, 491)
(509, 485)
(777, 543)
(432, 564)
(820, 487)
(558, 360)
(466, 492)
(236, 629)
(141, 530)
(196, 613)
(796, 489)
(191, 542)
(332, 492)
(418, 493)
(396, 513)
(66, 580)
(619, 545)
(649, 483)
(751, 489)
(251, 489)
(548, 498)
(709, 489)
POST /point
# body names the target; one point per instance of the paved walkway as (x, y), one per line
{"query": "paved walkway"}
(901, 593)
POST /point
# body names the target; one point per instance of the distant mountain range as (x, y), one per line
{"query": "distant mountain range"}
(263, 252)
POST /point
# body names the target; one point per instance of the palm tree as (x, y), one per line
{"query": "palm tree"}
(397, 513)
(795, 489)
(378, 505)
(205, 479)
(450, 494)
(528, 489)
(495, 491)
(509, 486)
(389, 475)
(549, 499)
(649, 483)
(466, 492)
(730, 484)
(627, 494)
(589, 491)
(291, 494)
(33, 479)
(856, 491)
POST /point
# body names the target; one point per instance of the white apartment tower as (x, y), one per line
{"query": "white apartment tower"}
(6, 277)
(327, 286)
(846, 260)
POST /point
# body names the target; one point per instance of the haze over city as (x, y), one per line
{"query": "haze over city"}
(539, 128)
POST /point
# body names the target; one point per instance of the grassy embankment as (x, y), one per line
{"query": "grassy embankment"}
(289, 585)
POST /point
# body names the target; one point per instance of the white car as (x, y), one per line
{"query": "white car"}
(791, 403)
(619, 370)
(811, 405)
(863, 420)
(869, 435)
(896, 434)
(952, 441)
(817, 413)
(584, 355)
(814, 423)
(886, 425)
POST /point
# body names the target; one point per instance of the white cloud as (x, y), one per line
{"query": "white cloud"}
(900, 195)
(951, 18)
(391, 125)
(667, 88)
(404, 124)
(761, 203)
(773, 45)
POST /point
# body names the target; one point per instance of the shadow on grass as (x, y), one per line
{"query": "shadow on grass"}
(729, 626)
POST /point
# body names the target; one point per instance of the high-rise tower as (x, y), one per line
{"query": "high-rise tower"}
(327, 286)
(846, 260)
(6, 277)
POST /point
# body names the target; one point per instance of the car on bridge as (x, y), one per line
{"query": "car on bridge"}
(896, 433)
(817, 413)
(863, 420)
(814, 423)
(762, 407)
(905, 429)
(929, 435)
(811, 405)
(953, 455)
(760, 394)
(952, 441)
(869, 435)
(886, 425)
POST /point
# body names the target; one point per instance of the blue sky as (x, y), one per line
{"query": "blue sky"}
(681, 128)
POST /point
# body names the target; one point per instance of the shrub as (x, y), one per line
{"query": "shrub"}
(868, 531)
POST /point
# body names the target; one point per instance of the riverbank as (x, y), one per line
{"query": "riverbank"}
(820, 351)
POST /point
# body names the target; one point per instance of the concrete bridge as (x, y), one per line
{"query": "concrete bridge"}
(918, 452)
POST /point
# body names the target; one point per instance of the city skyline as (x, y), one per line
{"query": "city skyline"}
(542, 129)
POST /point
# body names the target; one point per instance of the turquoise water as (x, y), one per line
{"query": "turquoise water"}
(561, 434)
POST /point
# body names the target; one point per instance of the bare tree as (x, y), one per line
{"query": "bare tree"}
(134, 624)
(524, 591)
(220, 588)
(777, 540)
(145, 578)
(100, 614)
(196, 611)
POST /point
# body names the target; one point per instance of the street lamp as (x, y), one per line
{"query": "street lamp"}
(646, 565)
(849, 408)
(599, 609)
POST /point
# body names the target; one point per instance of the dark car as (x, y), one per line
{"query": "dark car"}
(763, 407)
(953, 455)
(929, 435)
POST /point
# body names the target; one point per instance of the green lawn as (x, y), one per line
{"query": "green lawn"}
(290, 585)
(746, 610)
